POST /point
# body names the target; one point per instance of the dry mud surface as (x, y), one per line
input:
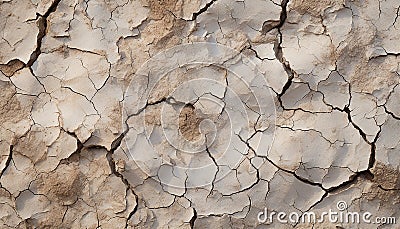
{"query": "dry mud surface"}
(198, 114)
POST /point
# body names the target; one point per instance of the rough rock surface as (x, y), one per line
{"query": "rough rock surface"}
(198, 114)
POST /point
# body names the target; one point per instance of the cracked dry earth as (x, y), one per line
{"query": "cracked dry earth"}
(100, 131)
